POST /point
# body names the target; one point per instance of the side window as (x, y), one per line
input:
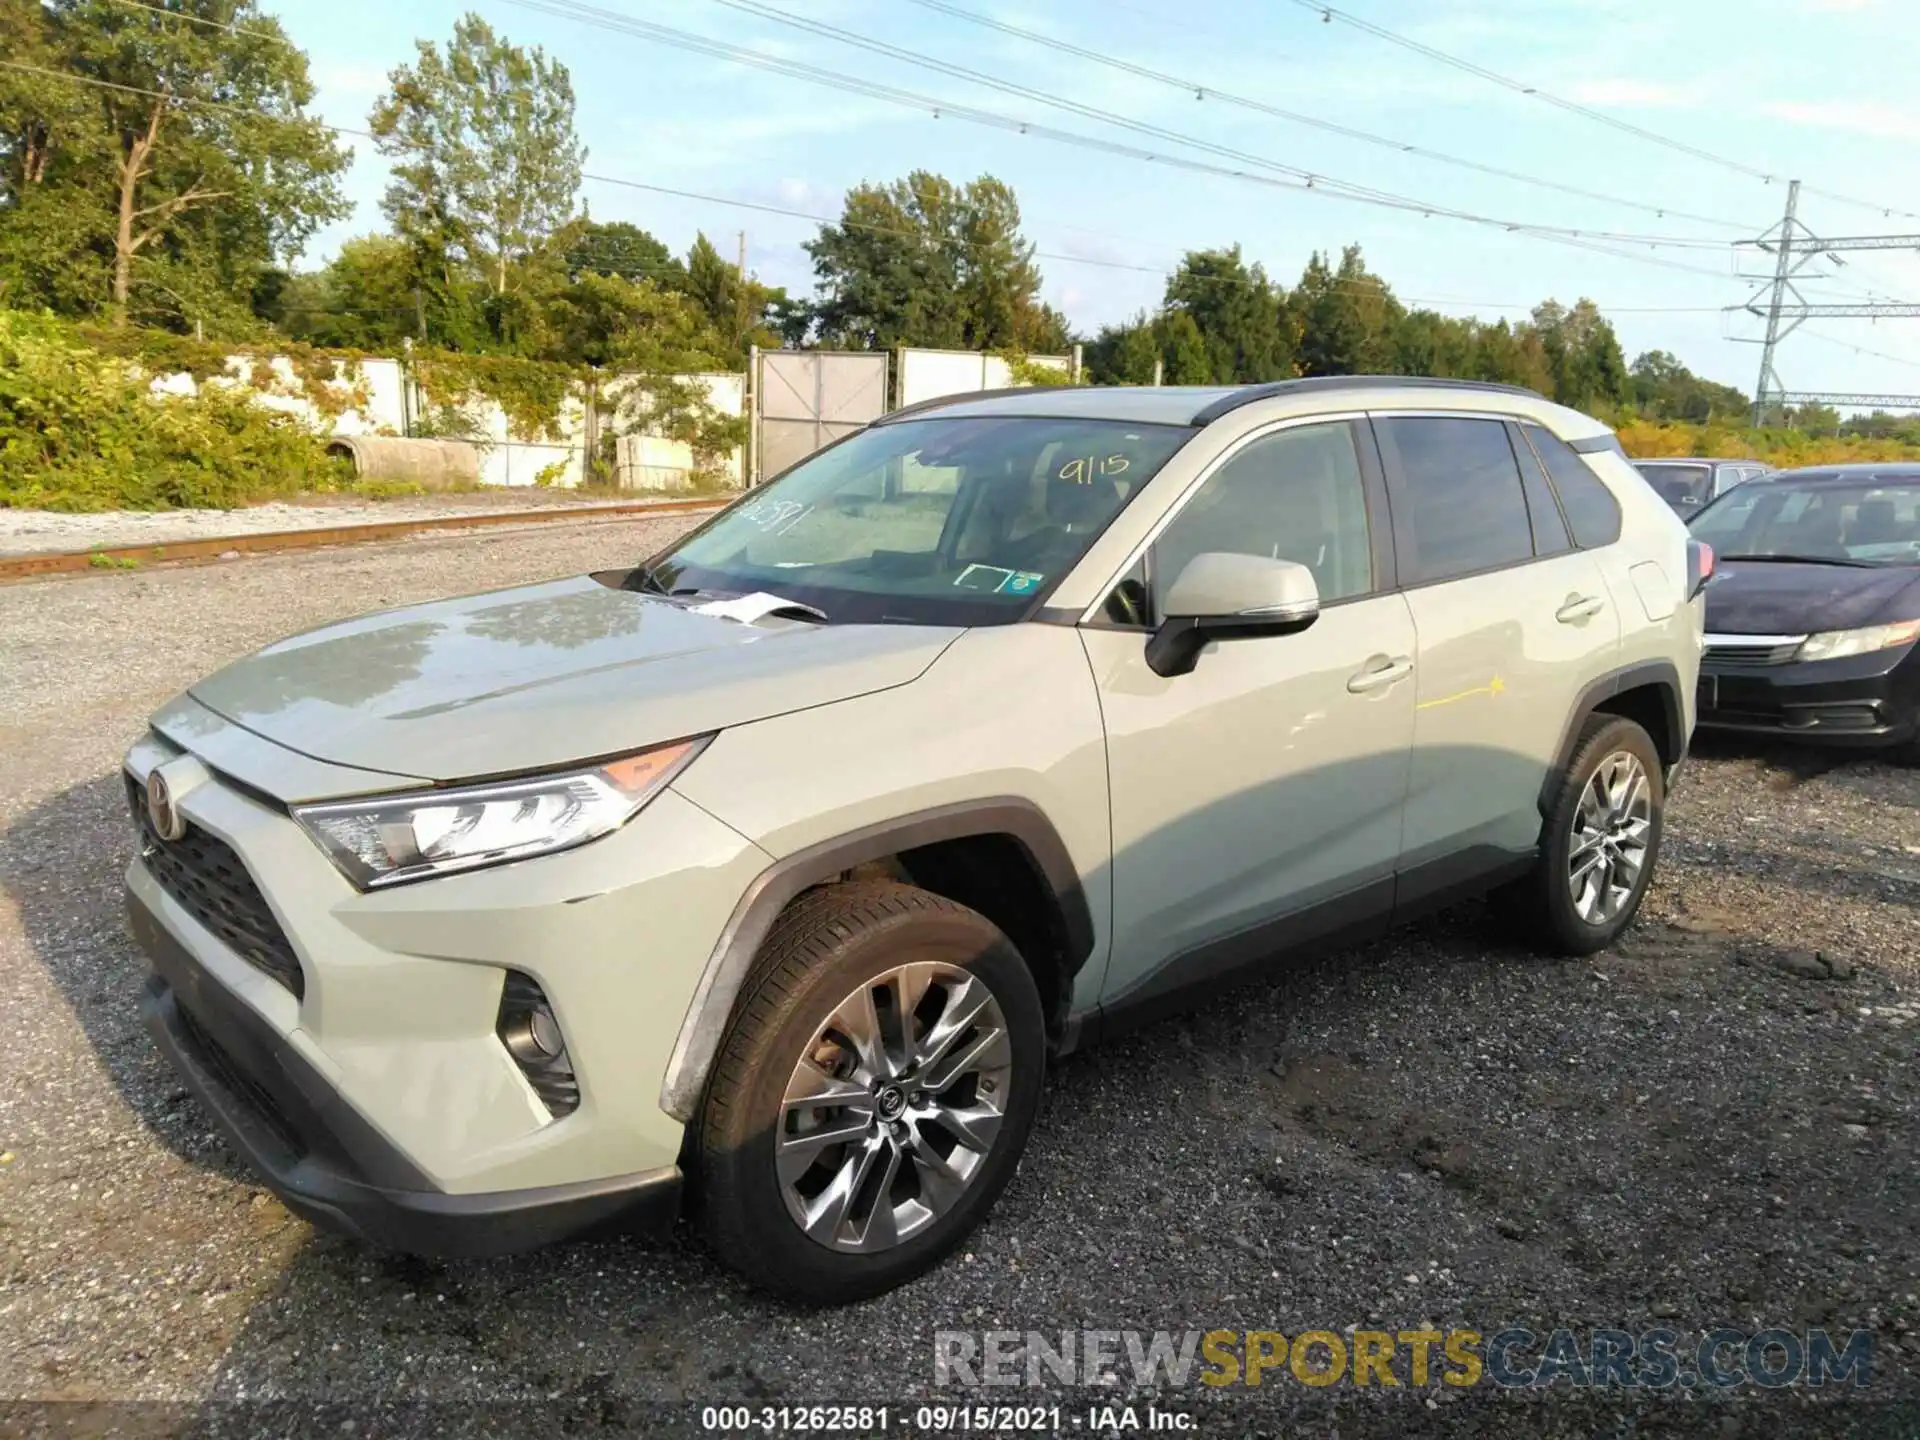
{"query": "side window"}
(1296, 495)
(1592, 512)
(1549, 529)
(1468, 511)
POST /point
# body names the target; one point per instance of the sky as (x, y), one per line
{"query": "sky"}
(1768, 90)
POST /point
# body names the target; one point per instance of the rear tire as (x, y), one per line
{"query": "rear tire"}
(874, 998)
(1600, 843)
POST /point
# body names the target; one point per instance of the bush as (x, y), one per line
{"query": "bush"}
(1784, 448)
(82, 430)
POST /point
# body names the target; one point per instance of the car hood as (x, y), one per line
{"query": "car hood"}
(1770, 597)
(540, 676)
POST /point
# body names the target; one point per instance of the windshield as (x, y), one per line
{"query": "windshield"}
(955, 521)
(1681, 486)
(1866, 523)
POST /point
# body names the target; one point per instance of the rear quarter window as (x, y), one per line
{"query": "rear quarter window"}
(1592, 513)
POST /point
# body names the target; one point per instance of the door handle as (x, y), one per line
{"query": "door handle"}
(1380, 676)
(1578, 608)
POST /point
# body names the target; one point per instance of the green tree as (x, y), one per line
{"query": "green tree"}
(486, 163)
(923, 261)
(1426, 343)
(738, 306)
(1585, 366)
(171, 184)
(1349, 320)
(1241, 317)
(1662, 388)
(1128, 354)
(1125, 354)
(612, 322)
(617, 248)
(364, 299)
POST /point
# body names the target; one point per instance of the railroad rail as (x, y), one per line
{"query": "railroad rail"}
(205, 548)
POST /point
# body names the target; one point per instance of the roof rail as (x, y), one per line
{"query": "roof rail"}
(1248, 394)
(940, 401)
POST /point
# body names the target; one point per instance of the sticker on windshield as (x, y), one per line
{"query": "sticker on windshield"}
(1021, 582)
(983, 577)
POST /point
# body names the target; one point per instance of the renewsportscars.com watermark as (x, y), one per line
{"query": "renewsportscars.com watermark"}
(1514, 1357)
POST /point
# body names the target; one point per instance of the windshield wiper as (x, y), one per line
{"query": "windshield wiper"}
(647, 580)
(1807, 560)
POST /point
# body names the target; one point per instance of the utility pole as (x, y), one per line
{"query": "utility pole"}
(1780, 303)
(740, 296)
(1783, 268)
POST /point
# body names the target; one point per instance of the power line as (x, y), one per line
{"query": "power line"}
(1105, 116)
(1201, 90)
(766, 209)
(1861, 349)
(247, 30)
(624, 182)
(1331, 13)
(1311, 182)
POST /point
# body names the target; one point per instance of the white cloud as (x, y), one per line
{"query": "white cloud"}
(1860, 117)
(1847, 5)
(1625, 91)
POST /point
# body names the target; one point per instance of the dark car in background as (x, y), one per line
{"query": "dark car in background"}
(1689, 482)
(1814, 606)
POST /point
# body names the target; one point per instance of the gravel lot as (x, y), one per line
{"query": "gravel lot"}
(28, 532)
(1707, 1126)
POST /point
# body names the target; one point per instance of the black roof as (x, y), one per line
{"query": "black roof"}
(1903, 471)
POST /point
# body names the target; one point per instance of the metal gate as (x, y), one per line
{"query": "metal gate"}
(804, 400)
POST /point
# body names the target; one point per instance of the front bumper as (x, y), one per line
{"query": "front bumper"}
(348, 1042)
(1868, 701)
(325, 1162)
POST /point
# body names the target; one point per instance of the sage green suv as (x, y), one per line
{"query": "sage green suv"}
(774, 870)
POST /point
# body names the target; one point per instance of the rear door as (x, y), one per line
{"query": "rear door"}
(1512, 624)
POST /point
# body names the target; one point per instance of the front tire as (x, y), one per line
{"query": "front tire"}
(1600, 842)
(872, 1095)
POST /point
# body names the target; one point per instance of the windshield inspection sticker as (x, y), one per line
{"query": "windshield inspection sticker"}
(1021, 582)
(983, 577)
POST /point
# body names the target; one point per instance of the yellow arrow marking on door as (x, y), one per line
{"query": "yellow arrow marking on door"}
(1493, 687)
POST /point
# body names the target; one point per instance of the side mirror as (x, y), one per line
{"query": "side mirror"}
(1223, 596)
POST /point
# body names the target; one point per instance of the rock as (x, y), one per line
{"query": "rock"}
(1806, 964)
(1664, 1310)
(1508, 1228)
(1858, 1132)
(229, 554)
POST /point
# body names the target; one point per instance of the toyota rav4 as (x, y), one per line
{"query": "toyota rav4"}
(777, 868)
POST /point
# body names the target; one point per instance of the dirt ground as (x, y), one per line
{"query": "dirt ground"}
(1714, 1124)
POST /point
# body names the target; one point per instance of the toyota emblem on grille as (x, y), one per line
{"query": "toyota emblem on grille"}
(168, 823)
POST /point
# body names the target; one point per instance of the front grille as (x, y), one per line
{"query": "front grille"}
(212, 884)
(1736, 652)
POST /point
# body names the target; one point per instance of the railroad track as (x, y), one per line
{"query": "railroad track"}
(201, 550)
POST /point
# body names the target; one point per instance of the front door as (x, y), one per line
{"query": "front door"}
(1269, 781)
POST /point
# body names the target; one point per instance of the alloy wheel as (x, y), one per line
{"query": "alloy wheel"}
(893, 1107)
(1611, 827)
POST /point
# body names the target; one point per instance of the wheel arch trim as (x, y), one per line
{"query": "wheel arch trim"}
(1663, 675)
(777, 886)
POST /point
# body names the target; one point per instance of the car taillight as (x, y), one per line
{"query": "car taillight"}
(1699, 566)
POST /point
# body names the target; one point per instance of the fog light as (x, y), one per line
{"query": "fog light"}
(531, 1033)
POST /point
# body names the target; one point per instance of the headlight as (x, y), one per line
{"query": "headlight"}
(390, 839)
(1833, 644)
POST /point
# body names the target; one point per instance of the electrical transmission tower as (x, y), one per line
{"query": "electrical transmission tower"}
(1779, 302)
